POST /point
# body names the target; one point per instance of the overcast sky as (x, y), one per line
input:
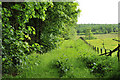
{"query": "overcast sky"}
(98, 11)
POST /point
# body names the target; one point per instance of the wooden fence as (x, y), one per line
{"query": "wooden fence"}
(116, 40)
(103, 51)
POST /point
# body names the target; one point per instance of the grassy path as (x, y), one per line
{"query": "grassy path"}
(73, 59)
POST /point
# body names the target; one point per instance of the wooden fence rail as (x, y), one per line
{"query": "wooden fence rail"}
(100, 50)
(116, 40)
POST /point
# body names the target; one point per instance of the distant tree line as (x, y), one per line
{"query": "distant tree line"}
(97, 28)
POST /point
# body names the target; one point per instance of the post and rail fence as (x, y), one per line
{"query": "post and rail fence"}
(101, 50)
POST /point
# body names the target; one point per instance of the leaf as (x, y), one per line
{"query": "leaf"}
(29, 38)
(34, 32)
(26, 36)
(3, 59)
(30, 16)
(21, 38)
(33, 45)
(29, 28)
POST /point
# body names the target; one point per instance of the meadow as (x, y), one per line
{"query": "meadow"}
(72, 59)
(106, 39)
(103, 36)
(108, 43)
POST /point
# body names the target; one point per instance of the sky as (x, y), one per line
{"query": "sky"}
(98, 11)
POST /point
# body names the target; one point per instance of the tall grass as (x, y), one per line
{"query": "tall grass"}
(72, 59)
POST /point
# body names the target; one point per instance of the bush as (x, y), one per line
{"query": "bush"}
(89, 38)
(100, 66)
(106, 32)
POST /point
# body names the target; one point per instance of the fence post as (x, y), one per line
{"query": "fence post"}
(98, 50)
(95, 48)
(110, 53)
(118, 54)
(101, 51)
(90, 45)
(105, 52)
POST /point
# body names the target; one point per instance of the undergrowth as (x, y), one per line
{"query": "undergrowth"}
(72, 59)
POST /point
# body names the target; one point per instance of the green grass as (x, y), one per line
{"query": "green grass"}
(109, 44)
(72, 59)
(103, 36)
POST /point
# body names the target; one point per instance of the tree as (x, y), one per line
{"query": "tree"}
(33, 26)
(88, 33)
(106, 32)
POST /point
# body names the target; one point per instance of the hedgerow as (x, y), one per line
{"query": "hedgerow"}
(29, 27)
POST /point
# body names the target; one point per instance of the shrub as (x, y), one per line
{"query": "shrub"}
(100, 66)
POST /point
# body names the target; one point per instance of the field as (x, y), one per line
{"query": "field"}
(72, 59)
(103, 36)
(107, 39)
(108, 43)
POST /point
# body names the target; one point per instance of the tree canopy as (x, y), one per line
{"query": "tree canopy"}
(34, 26)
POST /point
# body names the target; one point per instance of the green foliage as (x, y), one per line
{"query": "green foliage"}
(115, 74)
(62, 66)
(97, 28)
(100, 66)
(33, 27)
(88, 34)
(72, 59)
(89, 38)
(106, 32)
